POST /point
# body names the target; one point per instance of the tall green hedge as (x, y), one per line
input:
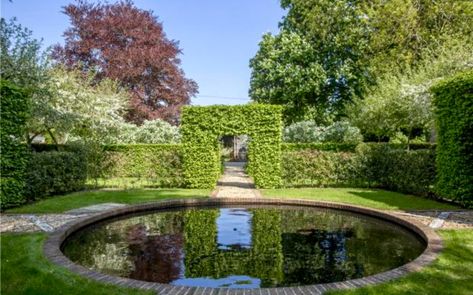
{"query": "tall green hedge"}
(453, 99)
(157, 164)
(370, 165)
(55, 172)
(202, 126)
(15, 109)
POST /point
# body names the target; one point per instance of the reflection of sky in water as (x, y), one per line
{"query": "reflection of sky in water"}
(234, 229)
(244, 282)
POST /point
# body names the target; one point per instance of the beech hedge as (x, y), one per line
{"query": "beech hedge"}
(370, 165)
(202, 127)
(159, 164)
(453, 99)
(55, 172)
(14, 112)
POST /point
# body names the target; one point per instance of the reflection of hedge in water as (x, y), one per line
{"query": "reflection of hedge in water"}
(200, 236)
(342, 248)
(204, 259)
(316, 255)
(107, 248)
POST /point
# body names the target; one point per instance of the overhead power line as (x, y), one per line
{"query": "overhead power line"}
(223, 97)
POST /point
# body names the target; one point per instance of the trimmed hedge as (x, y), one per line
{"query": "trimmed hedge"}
(349, 147)
(371, 165)
(14, 111)
(453, 99)
(56, 172)
(158, 164)
(202, 126)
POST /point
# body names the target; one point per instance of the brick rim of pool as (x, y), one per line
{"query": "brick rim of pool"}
(52, 246)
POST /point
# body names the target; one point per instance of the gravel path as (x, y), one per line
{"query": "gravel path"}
(235, 183)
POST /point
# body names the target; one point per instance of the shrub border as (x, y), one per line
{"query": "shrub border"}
(52, 247)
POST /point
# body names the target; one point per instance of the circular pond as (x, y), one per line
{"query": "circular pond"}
(243, 246)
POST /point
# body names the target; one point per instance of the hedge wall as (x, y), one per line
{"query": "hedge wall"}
(370, 165)
(202, 126)
(453, 99)
(349, 147)
(14, 111)
(157, 164)
(55, 172)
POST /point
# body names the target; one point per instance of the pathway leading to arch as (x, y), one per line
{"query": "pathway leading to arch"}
(235, 183)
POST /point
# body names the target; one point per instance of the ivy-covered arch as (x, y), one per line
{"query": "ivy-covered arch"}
(202, 126)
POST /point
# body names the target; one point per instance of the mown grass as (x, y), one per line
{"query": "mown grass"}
(378, 199)
(59, 204)
(451, 273)
(25, 270)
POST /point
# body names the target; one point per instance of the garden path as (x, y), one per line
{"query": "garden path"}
(235, 183)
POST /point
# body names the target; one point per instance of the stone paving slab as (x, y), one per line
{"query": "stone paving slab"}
(95, 208)
(35, 222)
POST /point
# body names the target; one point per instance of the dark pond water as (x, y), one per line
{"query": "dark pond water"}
(244, 247)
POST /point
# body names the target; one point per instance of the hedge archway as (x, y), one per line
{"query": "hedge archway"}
(202, 126)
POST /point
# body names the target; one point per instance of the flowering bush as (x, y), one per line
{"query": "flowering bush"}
(155, 131)
(308, 131)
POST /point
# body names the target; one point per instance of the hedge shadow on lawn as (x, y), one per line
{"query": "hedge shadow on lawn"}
(398, 200)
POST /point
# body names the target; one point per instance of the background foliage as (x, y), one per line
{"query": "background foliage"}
(119, 41)
(453, 99)
(202, 126)
(309, 131)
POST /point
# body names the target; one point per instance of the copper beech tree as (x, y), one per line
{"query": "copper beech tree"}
(120, 41)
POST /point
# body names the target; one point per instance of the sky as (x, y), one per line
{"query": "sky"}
(217, 37)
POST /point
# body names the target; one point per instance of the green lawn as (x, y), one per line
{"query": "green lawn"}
(26, 271)
(452, 273)
(60, 204)
(373, 198)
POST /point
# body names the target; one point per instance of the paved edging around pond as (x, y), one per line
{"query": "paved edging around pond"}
(52, 247)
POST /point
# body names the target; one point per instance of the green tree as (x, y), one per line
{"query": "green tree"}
(357, 44)
(402, 102)
(280, 65)
(404, 31)
(22, 60)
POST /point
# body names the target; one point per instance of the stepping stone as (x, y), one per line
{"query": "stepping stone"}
(95, 208)
(438, 222)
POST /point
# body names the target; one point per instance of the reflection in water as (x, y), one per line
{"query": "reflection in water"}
(234, 229)
(244, 247)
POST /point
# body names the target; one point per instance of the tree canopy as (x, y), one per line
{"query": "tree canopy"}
(124, 43)
(355, 44)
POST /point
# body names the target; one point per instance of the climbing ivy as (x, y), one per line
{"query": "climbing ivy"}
(203, 126)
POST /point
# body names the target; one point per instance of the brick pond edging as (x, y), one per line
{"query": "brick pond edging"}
(52, 248)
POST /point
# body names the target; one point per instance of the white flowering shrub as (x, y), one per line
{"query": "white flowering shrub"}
(155, 131)
(342, 132)
(308, 131)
